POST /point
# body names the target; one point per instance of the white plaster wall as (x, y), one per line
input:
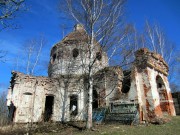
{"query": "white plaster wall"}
(30, 108)
(132, 94)
(57, 108)
(136, 89)
(38, 103)
(136, 92)
(81, 106)
(16, 99)
(79, 65)
(155, 95)
(72, 66)
(154, 92)
(147, 82)
(9, 96)
(22, 102)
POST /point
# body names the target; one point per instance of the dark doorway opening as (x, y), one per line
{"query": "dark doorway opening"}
(73, 105)
(95, 99)
(12, 112)
(48, 108)
(126, 81)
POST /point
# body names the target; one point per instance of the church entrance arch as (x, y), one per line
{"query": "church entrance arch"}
(163, 98)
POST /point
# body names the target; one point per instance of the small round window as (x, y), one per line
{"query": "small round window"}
(75, 52)
(98, 56)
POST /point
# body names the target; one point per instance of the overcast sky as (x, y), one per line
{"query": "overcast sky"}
(43, 17)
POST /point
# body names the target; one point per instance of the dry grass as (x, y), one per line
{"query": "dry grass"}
(170, 128)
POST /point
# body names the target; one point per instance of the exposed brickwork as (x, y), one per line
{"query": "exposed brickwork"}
(145, 84)
(158, 111)
(36, 97)
(158, 101)
(146, 58)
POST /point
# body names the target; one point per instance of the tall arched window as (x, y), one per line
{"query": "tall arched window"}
(54, 57)
(75, 52)
(161, 88)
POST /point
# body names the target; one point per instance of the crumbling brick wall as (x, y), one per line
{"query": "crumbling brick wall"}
(145, 84)
(108, 84)
(148, 67)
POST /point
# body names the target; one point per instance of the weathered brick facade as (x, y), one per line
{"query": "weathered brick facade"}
(62, 96)
(152, 86)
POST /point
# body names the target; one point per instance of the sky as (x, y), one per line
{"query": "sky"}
(43, 18)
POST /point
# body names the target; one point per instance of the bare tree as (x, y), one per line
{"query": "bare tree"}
(103, 23)
(175, 70)
(157, 41)
(3, 109)
(8, 11)
(31, 55)
(2, 55)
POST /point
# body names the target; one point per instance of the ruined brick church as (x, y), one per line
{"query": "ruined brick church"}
(62, 96)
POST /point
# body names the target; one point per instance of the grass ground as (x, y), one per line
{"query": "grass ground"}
(170, 128)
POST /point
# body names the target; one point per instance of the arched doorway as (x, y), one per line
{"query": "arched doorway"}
(164, 104)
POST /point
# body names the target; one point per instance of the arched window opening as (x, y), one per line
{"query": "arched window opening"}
(75, 52)
(98, 56)
(126, 81)
(54, 57)
(162, 94)
(12, 112)
(73, 105)
(160, 83)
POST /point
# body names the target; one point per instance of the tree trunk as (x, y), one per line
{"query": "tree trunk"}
(89, 109)
(90, 88)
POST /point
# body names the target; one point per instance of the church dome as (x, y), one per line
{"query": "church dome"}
(70, 56)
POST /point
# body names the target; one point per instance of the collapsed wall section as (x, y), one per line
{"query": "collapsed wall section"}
(108, 85)
(151, 85)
